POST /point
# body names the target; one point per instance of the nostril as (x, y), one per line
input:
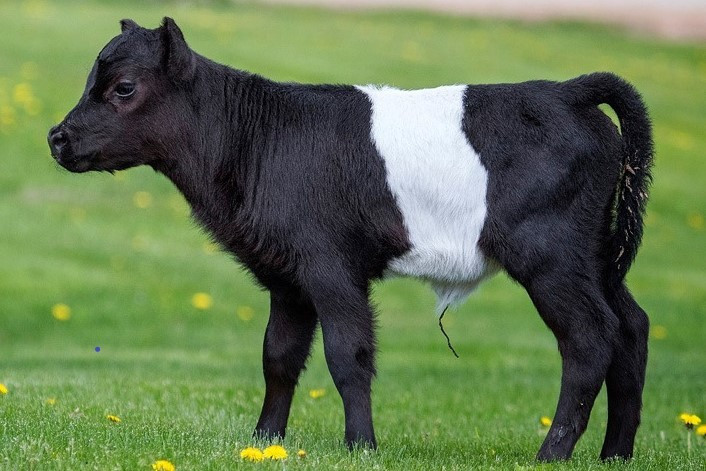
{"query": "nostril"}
(57, 140)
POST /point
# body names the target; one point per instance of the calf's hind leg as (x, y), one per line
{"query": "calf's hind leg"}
(626, 375)
(585, 328)
(288, 338)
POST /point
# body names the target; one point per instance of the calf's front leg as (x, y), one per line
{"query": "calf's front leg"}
(349, 345)
(287, 344)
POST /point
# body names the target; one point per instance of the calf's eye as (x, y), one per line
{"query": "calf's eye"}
(125, 90)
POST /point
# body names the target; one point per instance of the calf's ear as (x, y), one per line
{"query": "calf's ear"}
(177, 59)
(127, 24)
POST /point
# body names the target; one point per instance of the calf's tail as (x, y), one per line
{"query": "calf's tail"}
(631, 191)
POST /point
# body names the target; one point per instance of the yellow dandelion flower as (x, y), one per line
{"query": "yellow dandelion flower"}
(3, 389)
(251, 454)
(245, 313)
(113, 418)
(202, 301)
(7, 115)
(61, 312)
(51, 401)
(178, 205)
(701, 431)
(690, 420)
(650, 219)
(317, 393)
(210, 247)
(412, 52)
(163, 465)
(275, 452)
(22, 93)
(682, 140)
(659, 332)
(545, 421)
(142, 199)
(302, 453)
(695, 221)
(35, 8)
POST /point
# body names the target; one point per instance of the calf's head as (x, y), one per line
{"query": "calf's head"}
(135, 108)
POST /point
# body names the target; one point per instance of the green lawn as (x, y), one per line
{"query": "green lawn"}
(187, 383)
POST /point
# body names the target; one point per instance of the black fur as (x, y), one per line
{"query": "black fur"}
(287, 178)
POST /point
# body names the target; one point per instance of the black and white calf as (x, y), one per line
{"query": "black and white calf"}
(321, 189)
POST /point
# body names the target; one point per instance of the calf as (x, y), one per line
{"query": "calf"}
(321, 189)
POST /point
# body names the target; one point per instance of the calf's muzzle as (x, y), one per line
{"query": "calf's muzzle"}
(57, 139)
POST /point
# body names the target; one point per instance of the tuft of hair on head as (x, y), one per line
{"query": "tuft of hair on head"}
(127, 24)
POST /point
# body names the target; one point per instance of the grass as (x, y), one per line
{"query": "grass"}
(187, 383)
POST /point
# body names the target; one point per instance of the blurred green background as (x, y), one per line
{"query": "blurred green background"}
(123, 257)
